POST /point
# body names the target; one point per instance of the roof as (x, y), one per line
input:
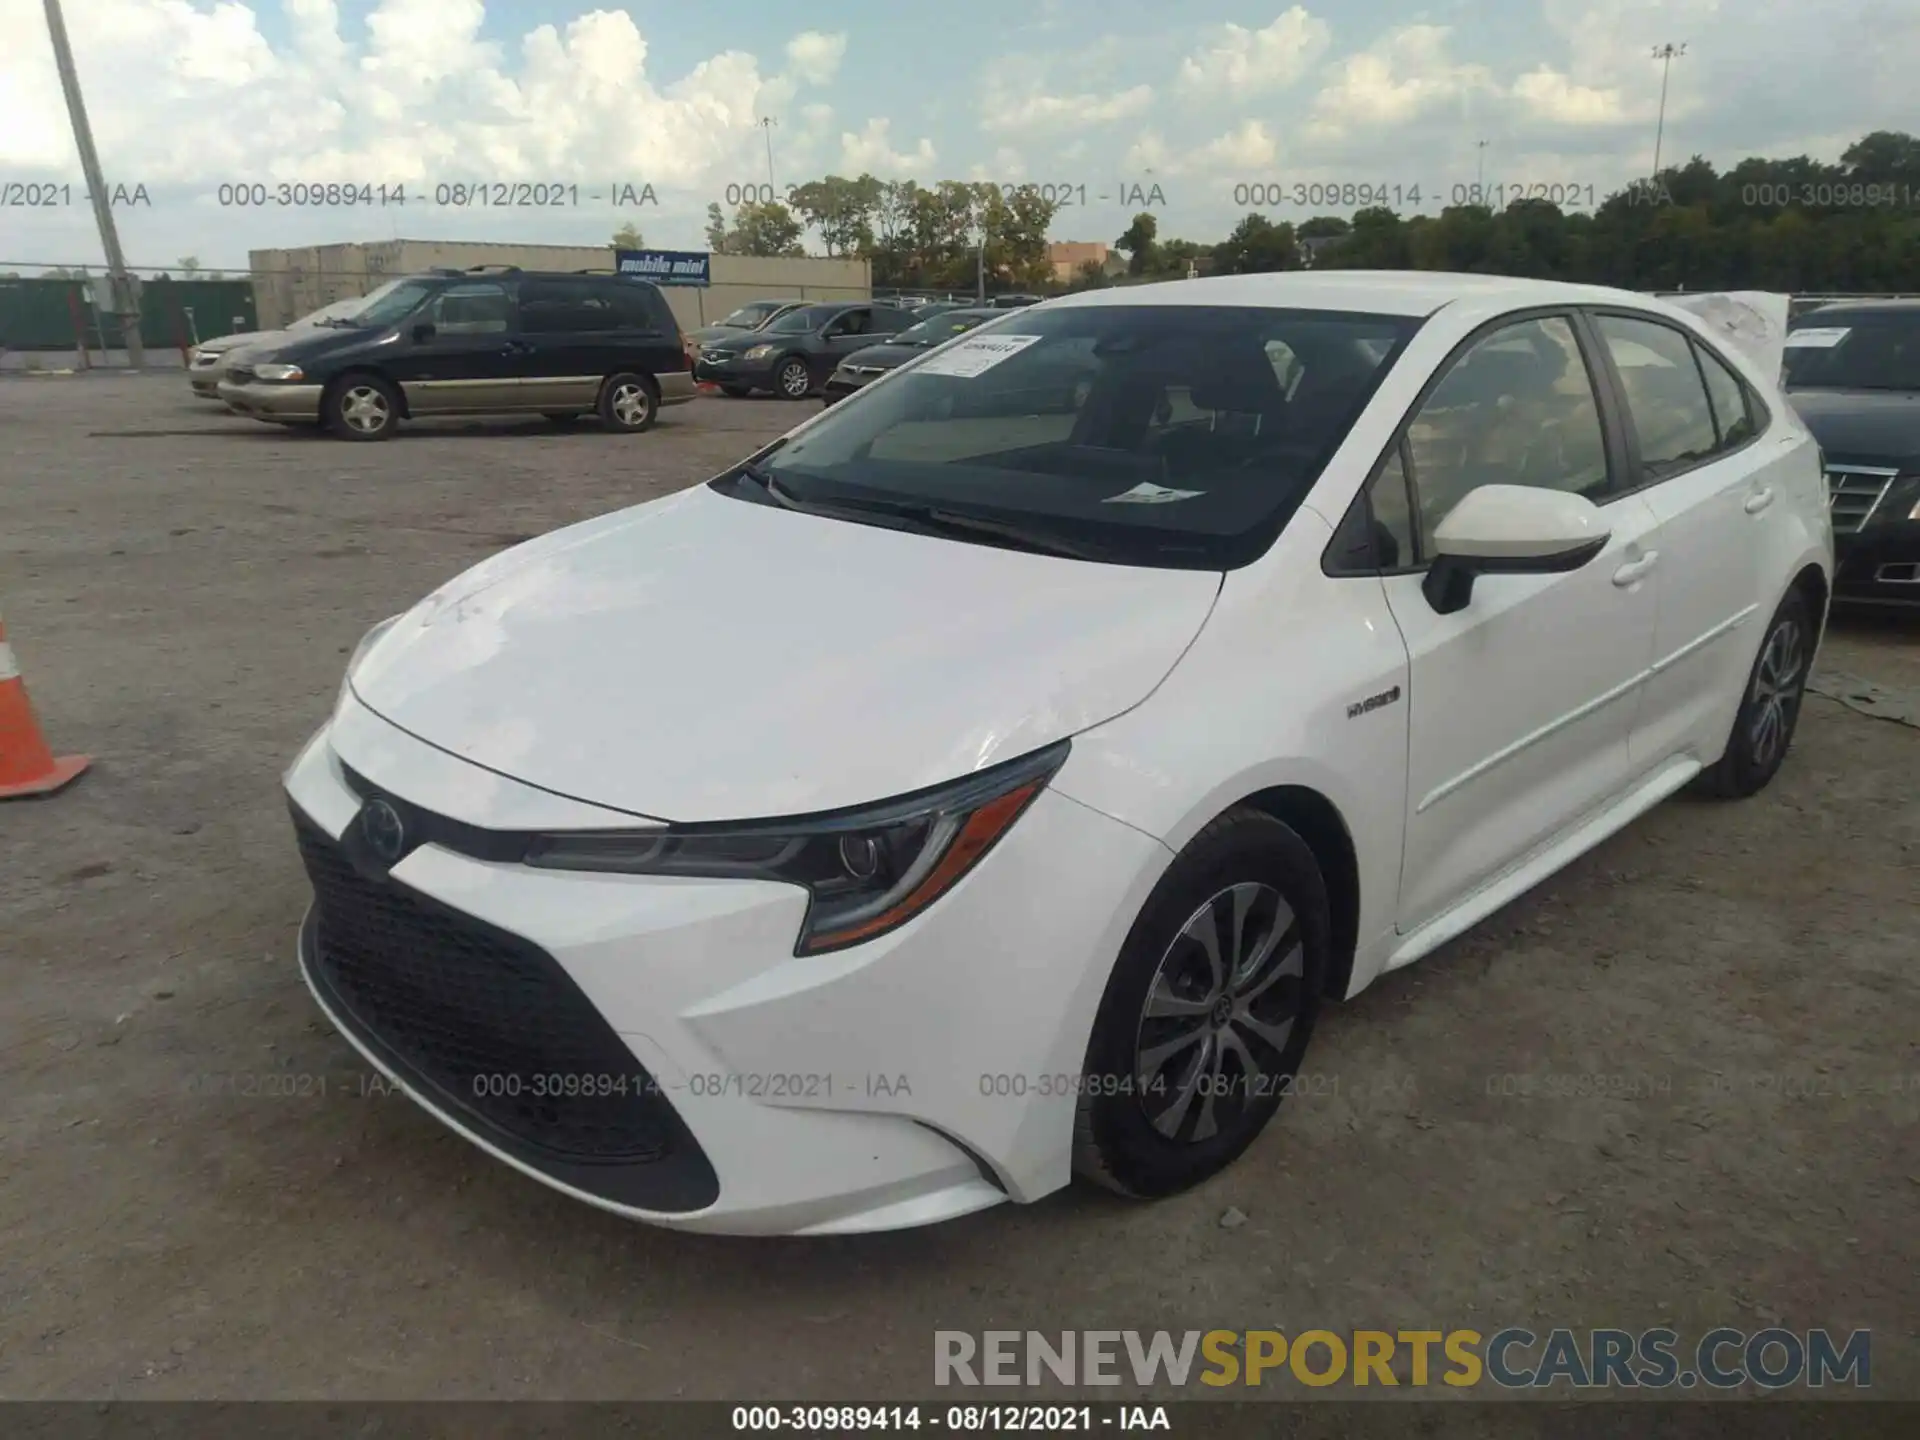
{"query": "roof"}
(1378, 292)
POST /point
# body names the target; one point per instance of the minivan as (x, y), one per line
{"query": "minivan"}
(462, 342)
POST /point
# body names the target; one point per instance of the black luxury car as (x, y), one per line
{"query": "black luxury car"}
(794, 354)
(1853, 373)
(869, 364)
(457, 342)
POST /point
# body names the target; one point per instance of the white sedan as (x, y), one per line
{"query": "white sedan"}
(988, 781)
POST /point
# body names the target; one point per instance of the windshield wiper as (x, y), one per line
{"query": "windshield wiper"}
(775, 489)
(932, 519)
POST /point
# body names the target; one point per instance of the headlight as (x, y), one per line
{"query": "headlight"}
(277, 371)
(866, 871)
(759, 352)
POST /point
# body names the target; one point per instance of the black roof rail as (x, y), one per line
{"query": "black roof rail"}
(444, 270)
(600, 270)
(504, 269)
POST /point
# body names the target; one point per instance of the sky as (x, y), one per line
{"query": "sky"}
(1203, 111)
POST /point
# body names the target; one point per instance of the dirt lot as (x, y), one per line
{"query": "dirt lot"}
(182, 589)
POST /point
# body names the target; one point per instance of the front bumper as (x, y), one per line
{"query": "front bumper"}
(1879, 565)
(924, 1075)
(840, 384)
(260, 400)
(744, 374)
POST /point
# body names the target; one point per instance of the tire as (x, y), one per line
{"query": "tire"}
(629, 403)
(793, 381)
(361, 407)
(1147, 1132)
(1769, 706)
(735, 392)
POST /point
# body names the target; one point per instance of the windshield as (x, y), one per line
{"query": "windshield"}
(939, 328)
(1858, 350)
(390, 304)
(798, 322)
(1173, 436)
(752, 317)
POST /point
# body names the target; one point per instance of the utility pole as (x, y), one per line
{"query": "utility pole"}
(123, 296)
(766, 123)
(1480, 169)
(1666, 55)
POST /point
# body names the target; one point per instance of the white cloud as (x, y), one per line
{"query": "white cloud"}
(815, 57)
(871, 152)
(1548, 94)
(1151, 153)
(184, 95)
(1007, 167)
(1002, 111)
(1240, 61)
(1397, 80)
(1246, 147)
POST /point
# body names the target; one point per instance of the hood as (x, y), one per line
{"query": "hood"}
(320, 341)
(885, 357)
(240, 340)
(708, 333)
(703, 658)
(1862, 426)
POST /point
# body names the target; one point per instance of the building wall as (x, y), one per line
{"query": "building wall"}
(1067, 256)
(291, 283)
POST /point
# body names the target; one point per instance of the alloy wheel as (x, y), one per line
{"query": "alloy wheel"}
(1777, 683)
(365, 409)
(1219, 1013)
(631, 404)
(793, 380)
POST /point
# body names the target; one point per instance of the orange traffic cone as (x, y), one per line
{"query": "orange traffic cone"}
(27, 766)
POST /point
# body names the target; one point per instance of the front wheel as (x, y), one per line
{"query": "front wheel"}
(1769, 706)
(1208, 1012)
(794, 380)
(362, 407)
(629, 404)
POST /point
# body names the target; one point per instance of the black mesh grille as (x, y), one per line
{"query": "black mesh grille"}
(488, 1020)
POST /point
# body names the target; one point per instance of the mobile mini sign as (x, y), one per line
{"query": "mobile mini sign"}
(665, 267)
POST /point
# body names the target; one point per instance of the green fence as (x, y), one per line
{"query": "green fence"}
(39, 314)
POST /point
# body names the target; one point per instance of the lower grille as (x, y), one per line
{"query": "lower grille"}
(1854, 493)
(488, 1020)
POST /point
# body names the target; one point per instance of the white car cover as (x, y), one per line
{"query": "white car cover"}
(1754, 321)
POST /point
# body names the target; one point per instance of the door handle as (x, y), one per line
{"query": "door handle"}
(1635, 569)
(517, 347)
(1758, 501)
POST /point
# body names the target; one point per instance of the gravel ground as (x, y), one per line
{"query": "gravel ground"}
(182, 589)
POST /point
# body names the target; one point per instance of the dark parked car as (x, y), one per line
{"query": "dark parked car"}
(462, 343)
(1853, 373)
(869, 364)
(749, 317)
(795, 354)
(1014, 302)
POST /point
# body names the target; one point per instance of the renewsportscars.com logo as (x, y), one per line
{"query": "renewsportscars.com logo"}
(1513, 1358)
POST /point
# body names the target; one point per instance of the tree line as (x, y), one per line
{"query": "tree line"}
(1795, 225)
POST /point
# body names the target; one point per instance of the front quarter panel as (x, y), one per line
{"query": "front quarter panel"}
(1298, 679)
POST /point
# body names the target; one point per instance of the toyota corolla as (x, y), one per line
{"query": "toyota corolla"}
(987, 782)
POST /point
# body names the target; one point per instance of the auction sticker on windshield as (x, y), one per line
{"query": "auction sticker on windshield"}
(975, 355)
(1817, 338)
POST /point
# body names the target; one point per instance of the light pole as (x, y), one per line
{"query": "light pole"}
(1666, 55)
(1480, 169)
(766, 123)
(123, 296)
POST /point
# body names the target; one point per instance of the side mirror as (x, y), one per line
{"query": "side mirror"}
(1511, 530)
(423, 332)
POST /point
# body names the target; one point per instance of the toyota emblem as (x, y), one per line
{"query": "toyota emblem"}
(386, 836)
